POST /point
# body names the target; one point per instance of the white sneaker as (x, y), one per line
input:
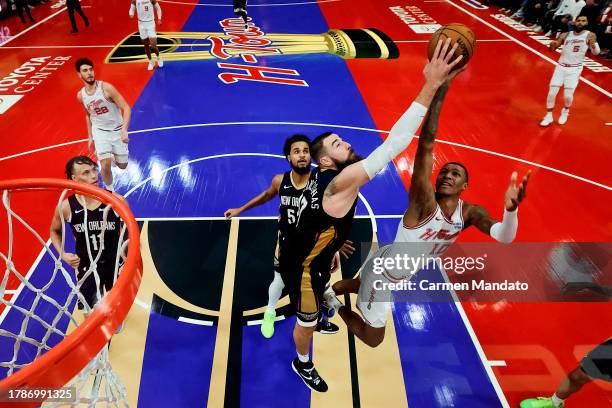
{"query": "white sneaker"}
(536, 28)
(563, 117)
(160, 62)
(151, 65)
(548, 119)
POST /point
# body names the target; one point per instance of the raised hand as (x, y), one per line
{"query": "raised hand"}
(516, 194)
(437, 70)
(347, 249)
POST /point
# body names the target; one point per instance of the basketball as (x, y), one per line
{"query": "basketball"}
(458, 33)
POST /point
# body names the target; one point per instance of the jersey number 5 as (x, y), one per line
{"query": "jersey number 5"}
(291, 216)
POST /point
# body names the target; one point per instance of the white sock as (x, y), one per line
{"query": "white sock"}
(275, 291)
(303, 358)
(556, 400)
(548, 115)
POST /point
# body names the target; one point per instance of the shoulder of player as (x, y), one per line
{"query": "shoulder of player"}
(65, 208)
(471, 210)
(562, 37)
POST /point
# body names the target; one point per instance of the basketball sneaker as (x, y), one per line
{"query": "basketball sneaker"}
(326, 327)
(539, 402)
(267, 326)
(151, 65)
(330, 302)
(563, 117)
(160, 62)
(309, 375)
(548, 119)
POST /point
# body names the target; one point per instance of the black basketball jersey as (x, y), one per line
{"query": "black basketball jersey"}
(289, 205)
(96, 226)
(318, 235)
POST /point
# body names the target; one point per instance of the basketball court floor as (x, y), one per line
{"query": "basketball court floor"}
(205, 137)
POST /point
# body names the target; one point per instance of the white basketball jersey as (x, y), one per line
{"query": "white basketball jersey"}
(574, 49)
(103, 113)
(144, 8)
(431, 238)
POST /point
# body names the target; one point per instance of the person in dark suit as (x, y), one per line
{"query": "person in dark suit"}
(22, 5)
(75, 5)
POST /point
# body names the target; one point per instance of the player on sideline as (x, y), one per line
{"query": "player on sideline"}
(567, 72)
(88, 236)
(146, 27)
(106, 127)
(431, 223)
(240, 9)
(327, 208)
(288, 186)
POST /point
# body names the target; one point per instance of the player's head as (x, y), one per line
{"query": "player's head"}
(82, 169)
(297, 152)
(84, 67)
(330, 151)
(580, 23)
(452, 179)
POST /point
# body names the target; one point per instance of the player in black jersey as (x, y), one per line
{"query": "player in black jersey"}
(328, 204)
(97, 240)
(288, 186)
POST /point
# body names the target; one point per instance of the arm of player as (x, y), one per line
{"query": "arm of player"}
(157, 10)
(504, 231)
(262, 198)
(344, 188)
(56, 235)
(558, 42)
(90, 142)
(132, 8)
(421, 195)
(116, 97)
(592, 42)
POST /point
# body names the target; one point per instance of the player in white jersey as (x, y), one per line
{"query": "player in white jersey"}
(146, 27)
(567, 72)
(108, 116)
(431, 223)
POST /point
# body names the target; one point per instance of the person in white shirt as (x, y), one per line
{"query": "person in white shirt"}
(567, 72)
(146, 27)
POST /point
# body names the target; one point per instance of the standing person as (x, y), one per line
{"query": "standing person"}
(327, 208)
(288, 186)
(100, 233)
(72, 6)
(22, 5)
(146, 27)
(567, 72)
(106, 127)
(240, 9)
(432, 222)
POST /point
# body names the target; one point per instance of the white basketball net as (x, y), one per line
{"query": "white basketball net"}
(28, 330)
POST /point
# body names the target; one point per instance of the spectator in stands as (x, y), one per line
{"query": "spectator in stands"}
(592, 11)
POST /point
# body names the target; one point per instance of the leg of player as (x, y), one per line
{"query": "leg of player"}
(550, 105)
(302, 336)
(372, 336)
(571, 384)
(147, 47)
(275, 292)
(107, 175)
(72, 20)
(346, 286)
(153, 43)
(568, 94)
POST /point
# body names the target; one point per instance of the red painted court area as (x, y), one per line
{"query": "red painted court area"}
(490, 122)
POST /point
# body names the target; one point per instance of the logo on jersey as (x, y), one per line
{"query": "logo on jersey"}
(443, 234)
(6, 101)
(97, 107)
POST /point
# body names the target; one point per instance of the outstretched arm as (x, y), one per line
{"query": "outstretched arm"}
(345, 186)
(504, 231)
(262, 198)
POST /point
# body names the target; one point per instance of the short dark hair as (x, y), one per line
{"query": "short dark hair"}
(82, 61)
(77, 160)
(294, 139)
(462, 166)
(316, 147)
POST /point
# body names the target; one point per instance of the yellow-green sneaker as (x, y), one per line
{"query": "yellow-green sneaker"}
(267, 326)
(539, 402)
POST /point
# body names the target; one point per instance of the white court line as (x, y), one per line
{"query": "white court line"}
(425, 41)
(483, 358)
(10, 291)
(250, 5)
(586, 81)
(542, 166)
(142, 304)
(608, 123)
(256, 322)
(32, 27)
(195, 321)
(497, 363)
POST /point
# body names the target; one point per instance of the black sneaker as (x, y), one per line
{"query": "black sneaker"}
(326, 327)
(309, 375)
